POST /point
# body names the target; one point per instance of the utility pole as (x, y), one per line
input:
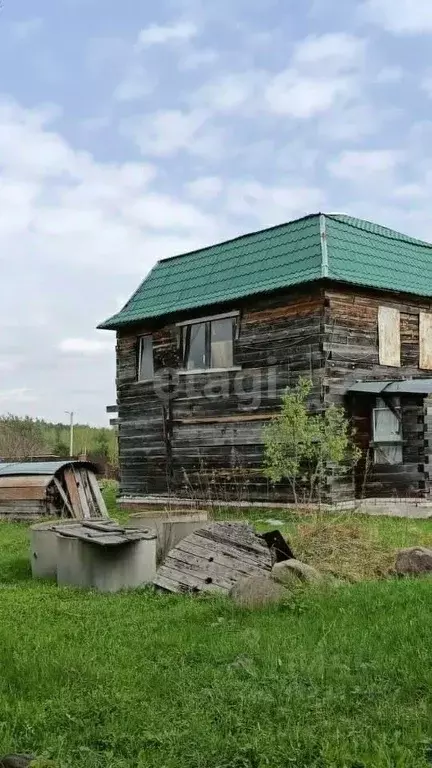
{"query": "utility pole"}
(71, 433)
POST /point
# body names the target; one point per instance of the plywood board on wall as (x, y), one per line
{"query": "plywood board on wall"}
(389, 336)
(425, 334)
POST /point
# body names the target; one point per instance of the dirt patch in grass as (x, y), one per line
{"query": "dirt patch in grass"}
(347, 549)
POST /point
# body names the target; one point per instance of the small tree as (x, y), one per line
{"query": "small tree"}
(303, 446)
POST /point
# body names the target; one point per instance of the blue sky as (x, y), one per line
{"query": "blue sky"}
(133, 131)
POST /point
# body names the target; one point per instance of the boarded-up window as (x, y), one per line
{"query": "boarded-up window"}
(389, 336)
(425, 341)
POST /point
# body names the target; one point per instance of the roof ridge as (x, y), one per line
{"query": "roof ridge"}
(324, 246)
(344, 218)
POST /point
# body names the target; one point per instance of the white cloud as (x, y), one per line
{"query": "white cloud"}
(231, 91)
(85, 346)
(410, 17)
(136, 84)
(23, 30)
(205, 188)
(273, 205)
(304, 97)
(324, 70)
(388, 75)
(20, 395)
(61, 206)
(335, 51)
(364, 164)
(197, 58)
(161, 35)
(168, 132)
(426, 83)
(410, 191)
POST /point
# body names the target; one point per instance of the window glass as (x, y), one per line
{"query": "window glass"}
(387, 433)
(145, 358)
(222, 332)
(208, 344)
(195, 352)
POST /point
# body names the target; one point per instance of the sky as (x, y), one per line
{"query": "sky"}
(133, 131)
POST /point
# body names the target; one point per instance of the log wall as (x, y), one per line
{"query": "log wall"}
(352, 354)
(201, 433)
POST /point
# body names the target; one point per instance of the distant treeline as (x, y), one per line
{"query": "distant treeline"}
(27, 438)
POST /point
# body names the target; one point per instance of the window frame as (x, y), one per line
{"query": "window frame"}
(141, 338)
(206, 321)
(390, 441)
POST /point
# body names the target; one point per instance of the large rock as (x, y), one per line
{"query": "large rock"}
(16, 761)
(291, 573)
(257, 591)
(415, 560)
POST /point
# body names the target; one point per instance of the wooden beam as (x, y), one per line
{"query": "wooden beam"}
(81, 492)
(99, 499)
(228, 419)
(74, 496)
(59, 487)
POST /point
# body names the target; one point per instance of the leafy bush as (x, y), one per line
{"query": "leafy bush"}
(302, 447)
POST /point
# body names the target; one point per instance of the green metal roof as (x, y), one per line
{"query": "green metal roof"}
(318, 246)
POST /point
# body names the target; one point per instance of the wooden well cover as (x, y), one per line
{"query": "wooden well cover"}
(214, 558)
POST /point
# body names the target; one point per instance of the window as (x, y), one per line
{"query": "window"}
(387, 433)
(145, 358)
(389, 336)
(425, 336)
(208, 343)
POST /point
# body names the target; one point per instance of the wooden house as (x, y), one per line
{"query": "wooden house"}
(210, 340)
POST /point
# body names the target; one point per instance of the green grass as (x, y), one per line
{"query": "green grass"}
(333, 679)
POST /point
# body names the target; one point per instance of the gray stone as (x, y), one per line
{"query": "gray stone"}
(291, 573)
(257, 592)
(16, 761)
(414, 560)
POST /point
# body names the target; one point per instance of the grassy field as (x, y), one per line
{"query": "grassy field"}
(332, 679)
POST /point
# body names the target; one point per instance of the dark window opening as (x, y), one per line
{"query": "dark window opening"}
(208, 344)
(145, 358)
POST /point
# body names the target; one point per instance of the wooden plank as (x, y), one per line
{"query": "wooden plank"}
(228, 419)
(86, 512)
(196, 569)
(217, 555)
(175, 580)
(74, 496)
(97, 494)
(225, 557)
(425, 331)
(25, 481)
(65, 499)
(93, 507)
(12, 494)
(389, 336)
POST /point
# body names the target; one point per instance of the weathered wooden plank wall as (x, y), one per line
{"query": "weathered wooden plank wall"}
(202, 433)
(352, 354)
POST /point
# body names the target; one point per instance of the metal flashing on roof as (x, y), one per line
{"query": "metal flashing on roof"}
(392, 387)
(324, 249)
(41, 467)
